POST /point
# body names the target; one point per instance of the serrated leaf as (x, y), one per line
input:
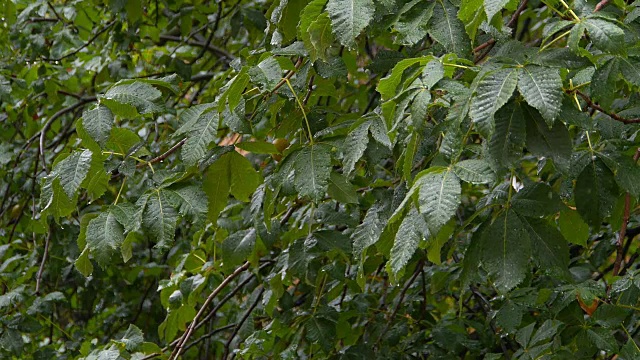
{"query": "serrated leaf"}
(132, 338)
(190, 200)
(413, 26)
(190, 116)
(312, 167)
(355, 146)
(492, 7)
(472, 16)
(573, 228)
(244, 178)
(603, 83)
(138, 94)
(104, 236)
(474, 171)
(625, 170)
(321, 330)
(595, 192)
(505, 146)
(536, 200)
(267, 73)
(237, 247)
(494, 90)
(349, 18)
(320, 38)
(159, 218)
(368, 232)
(448, 30)
(202, 133)
(505, 251)
(388, 85)
(412, 229)
(550, 249)
(542, 88)
(439, 197)
(630, 70)
(315, 30)
(341, 190)
(98, 123)
(603, 339)
(72, 171)
(543, 141)
(605, 35)
(83, 264)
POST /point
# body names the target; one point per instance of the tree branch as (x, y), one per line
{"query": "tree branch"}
(159, 158)
(600, 5)
(93, 38)
(214, 49)
(179, 346)
(595, 106)
(241, 322)
(492, 42)
(43, 132)
(44, 259)
(623, 227)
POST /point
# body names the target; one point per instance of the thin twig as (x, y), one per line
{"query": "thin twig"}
(55, 12)
(595, 106)
(93, 38)
(288, 75)
(241, 322)
(600, 5)
(208, 335)
(165, 155)
(492, 42)
(214, 49)
(44, 259)
(179, 346)
(623, 227)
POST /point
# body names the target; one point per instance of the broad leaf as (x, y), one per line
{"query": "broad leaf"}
(494, 90)
(412, 229)
(505, 251)
(595, 192)
(439, 197)
(104, 237)
(542, 88)
(448, 30)
(98, 123)
(312, 168)
(505, 146)
(349, 18)
(474, 171)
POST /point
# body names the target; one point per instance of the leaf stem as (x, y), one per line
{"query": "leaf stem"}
(124, 180)
(306, 120)
(555, 40)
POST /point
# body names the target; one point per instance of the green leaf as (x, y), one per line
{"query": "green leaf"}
(202, 134)
(412, 229)
(505, 146)
(439, 197)
(595, 192)
(543, 141)
(159, 218)
(321, 330)
(573, 228)
(312, 166)
(190, 200)
(231, 173)
(132, 338)
(388, 85)
(319, 38)
(506, 250)
(605, 35)
(536, 200)
(190, 116)
(83, 264)
(413, 26)
(368, 232)
(448, 30)
(267, 73)
(472, 16)
(549, 247)
(355, 145)
(492, 7)
(257, 147)
(603, 339)
(630, 69)
(474, 171)
(494, 90)
(140, 95)
(98, 123)
(542, 88)
(341, 190)
(603, 83)
(349, 18)
(54, 200)
(625, 170)
(72, 171)
(104, 236)
(237, 247)
(314, 21)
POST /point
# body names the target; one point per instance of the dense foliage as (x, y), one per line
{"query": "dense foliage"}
(319, 179)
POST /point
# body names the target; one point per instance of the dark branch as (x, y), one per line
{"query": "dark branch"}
(85, 44)
(214, 49)
(241, 322)
(595, 106)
